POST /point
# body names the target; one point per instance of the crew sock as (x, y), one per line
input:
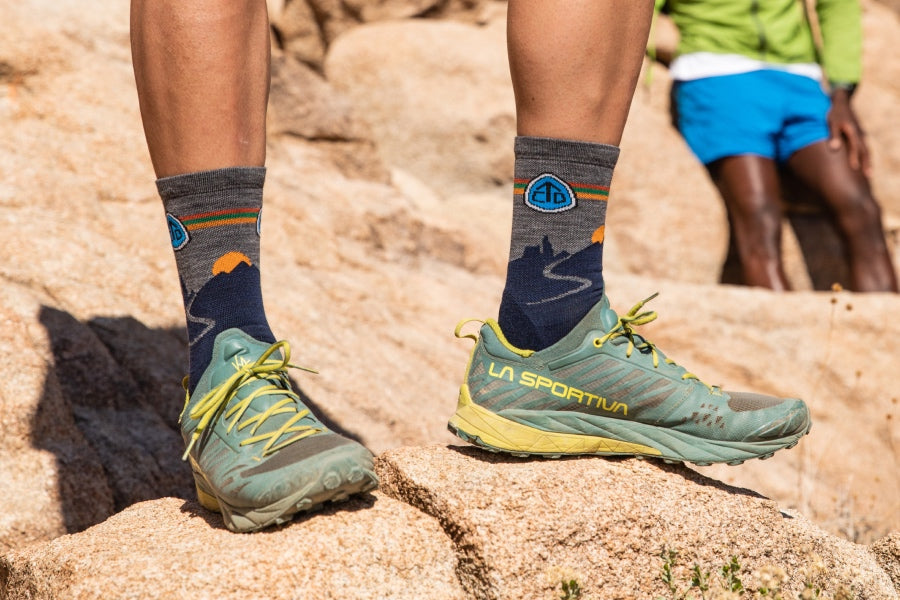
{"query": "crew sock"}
(555, 271)
(214, 224)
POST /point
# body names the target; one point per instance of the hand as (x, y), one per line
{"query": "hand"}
(844, 128)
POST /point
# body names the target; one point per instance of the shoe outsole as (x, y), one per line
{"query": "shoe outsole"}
(495, 433)
(343, 477)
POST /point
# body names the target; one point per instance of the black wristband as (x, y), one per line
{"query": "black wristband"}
(850, 88)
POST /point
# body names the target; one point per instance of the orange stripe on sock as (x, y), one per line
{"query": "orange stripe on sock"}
(586, 196)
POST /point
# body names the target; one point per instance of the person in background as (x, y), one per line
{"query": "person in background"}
(753, 93)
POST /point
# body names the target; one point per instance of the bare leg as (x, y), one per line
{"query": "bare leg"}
(202, 72)
(575, 64)
(846, 192)
(749, 187)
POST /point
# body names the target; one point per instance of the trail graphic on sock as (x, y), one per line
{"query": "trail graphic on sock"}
(214, 225)
(555, 270)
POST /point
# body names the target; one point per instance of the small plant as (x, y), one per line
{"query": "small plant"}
(571, 590)
(669, 557)
(729, 573)
(700, 580)
(725, 583)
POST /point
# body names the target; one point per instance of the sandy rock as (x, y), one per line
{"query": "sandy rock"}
(392, 10)
(437, 108)
(40, 439)
(368, 548)
(446, 115)
(893, 4)
(305, 28)
(477, 526)
(887, 553)
(298, 33)
(521, 526)
(380, 10)
(88, 425)
(366, 272)
(333, 18)
(302, 104)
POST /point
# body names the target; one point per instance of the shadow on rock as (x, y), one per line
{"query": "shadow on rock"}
(109, 412)
(677, 469)
(355, 503)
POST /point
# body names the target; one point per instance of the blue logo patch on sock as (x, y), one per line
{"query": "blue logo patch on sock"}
(548, 193)
(177, 232)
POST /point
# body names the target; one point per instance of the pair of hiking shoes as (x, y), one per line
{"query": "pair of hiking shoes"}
(259, 456)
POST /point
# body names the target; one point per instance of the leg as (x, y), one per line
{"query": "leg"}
(202, 72)
(601, 388)
(749, 187)
(732, 272)
(575, 64)
(573, 78)
(202, 78)
(847, 193)
(257, 453)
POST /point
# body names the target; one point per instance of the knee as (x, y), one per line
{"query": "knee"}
(758, 213)
(859, 214)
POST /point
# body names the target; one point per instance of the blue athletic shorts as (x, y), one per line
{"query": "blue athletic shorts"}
(766, 113)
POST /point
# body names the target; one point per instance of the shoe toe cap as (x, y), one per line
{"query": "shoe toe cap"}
(306, 467)
(792, 419)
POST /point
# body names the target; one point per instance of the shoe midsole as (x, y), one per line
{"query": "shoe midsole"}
(500, 432)
(513, 432)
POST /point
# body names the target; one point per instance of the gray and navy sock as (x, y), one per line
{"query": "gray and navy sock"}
(214, 225)
(555, 271)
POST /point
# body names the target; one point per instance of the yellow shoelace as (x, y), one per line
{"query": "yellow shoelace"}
(625, 327)
(272, 370)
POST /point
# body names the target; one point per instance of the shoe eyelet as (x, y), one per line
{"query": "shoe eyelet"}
(597, 342)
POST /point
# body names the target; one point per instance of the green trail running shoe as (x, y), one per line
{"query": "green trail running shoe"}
(604, 389)
(258, 454)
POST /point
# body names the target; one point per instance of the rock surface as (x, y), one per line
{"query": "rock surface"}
(385, 225)
(480, 526)
(374, 547)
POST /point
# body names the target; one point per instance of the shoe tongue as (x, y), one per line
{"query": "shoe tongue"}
(239, 343)
(608, 317)
(600, 318)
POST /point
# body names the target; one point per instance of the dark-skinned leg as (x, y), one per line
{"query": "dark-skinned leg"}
(750, 189)
(847, 193)
(731, 273)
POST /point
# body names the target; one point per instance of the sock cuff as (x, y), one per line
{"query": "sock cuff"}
(207, 182)
(588, 153)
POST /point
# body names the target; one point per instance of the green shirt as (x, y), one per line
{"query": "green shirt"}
(775, 31)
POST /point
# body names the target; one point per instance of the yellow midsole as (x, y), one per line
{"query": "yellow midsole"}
(207, 500)
(504, 434)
